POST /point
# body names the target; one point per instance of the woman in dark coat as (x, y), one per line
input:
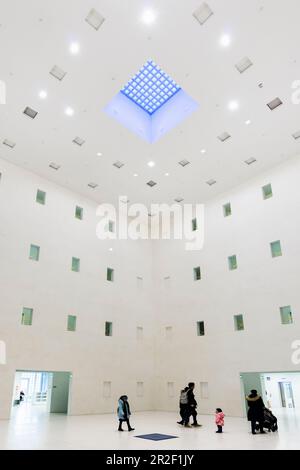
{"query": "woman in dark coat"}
(124, 412)
(256, 411)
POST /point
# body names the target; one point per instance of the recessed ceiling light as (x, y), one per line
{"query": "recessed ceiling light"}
(225, 40)
(211, 182)
(54, 166)
(243, 64)
(224, 136)
(250, 161)
(167, 174)
(57, 72)
(274, 103)
(203, 13)
(92, 185)
(184, 163)
(135, 174)
(110, 249)
(148, 16)
(9, 143)
(78, 140)
(69, 111)
(43, 94)
(30, 112)
(151, 183)
(99, 154)
(247, 122)
(118, 164)
(95, 19)
(74, 48)
(233, 105)
(151, 164)
(203, 151)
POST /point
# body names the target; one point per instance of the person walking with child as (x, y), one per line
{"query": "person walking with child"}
(219, 420)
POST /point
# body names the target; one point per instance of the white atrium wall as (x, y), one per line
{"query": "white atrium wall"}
(257, 289)
(54, 291)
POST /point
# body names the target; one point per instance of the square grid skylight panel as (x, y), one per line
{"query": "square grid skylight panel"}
(150, 88)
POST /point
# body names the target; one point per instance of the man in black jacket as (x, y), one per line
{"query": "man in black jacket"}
(192, 405)
(256, 411)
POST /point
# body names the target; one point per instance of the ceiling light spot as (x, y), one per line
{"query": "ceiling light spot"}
(43, 94)
(225, 40)
(247, 122)
(110, 249)
(250, 161)
(99, 154)
(54, 166)
(69, 111)
(184, 163)
(151, 183)
(79, 141)
(211, 182)
(167, 174)
(224, 136)
(92, 185)
(74, 48)
(233, 105)
(203, 151)
(118, 164)
(151, 164)
(274, 104)
(148, 17)
(135, 174)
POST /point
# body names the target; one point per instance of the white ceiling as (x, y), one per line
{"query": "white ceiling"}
(35, 35)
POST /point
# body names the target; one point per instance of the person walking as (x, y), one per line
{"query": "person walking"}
(191, 406)
(256, 411)
(219, 420)
(183, 405)
(124, 412)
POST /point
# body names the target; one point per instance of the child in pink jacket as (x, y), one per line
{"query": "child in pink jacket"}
(219, 420)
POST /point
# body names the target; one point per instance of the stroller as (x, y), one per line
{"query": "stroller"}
(270, 421)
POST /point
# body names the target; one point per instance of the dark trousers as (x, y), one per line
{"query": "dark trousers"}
(220, 429)
(126, 421)
(184, 413)
(253, 425)
(191, 411)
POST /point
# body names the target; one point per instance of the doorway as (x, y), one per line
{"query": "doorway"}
(39, 392)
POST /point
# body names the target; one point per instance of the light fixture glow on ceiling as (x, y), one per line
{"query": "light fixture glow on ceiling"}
(135, 174)
(151, 164)
(74, 48)
(203, 151)
(167, 174)
(69, 111)
(225, 40)
(150, 88)
(148, 16)
(247, 122)
(43, 94)
(233, 105)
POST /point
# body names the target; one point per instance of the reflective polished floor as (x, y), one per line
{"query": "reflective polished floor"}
(34, 428)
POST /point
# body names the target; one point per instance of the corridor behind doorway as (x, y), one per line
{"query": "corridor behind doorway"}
(40, 392)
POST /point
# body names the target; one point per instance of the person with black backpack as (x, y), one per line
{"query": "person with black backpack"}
(183, 406)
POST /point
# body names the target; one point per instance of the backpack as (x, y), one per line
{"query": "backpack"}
(183, 398)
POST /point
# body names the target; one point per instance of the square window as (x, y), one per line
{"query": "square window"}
(40, 197)
(286, 315)
(76, 265)
(107, 389)
(267, 191)
(78, 212)
(227, 209)
(71, 322)
(108, 328)
(34, 252)
(194, 225)
(197, 273)
(110, 274)
(238, 322)
(200, 328)
(27, 316)
(276, 249)
(232, 262)
(140, 389)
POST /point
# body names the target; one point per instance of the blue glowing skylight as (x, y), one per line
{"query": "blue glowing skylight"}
(150, 88)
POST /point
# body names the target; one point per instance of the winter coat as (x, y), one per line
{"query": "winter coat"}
(123, 409)
(191, 398)
(220, 418)
(256, 408)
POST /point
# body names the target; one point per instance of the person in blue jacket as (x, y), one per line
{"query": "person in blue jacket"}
(124, 412)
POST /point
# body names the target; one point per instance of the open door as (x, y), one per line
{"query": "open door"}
(60, 392)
